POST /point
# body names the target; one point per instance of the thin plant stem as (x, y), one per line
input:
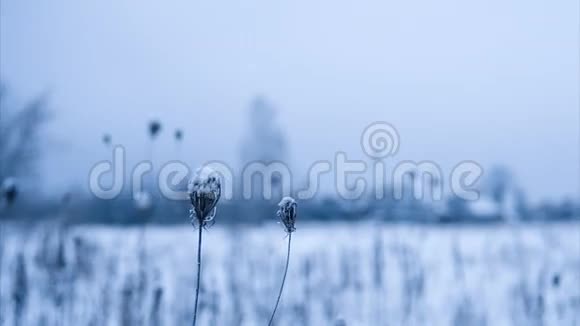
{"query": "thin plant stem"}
(198, 274)
(142, 280)
(283, 280)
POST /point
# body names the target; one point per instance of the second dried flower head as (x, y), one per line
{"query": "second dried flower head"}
(287, 213)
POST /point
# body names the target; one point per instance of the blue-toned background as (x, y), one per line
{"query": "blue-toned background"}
(490, 82)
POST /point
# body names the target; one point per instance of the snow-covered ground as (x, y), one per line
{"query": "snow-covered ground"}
(340, 274)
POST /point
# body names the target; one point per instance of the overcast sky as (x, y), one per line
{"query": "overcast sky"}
(492, 81)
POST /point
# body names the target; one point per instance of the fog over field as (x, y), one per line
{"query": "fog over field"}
(289, 163)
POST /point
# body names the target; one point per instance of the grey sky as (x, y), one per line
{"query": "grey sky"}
(492, 81)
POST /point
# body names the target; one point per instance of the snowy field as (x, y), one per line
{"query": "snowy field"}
(339, 275)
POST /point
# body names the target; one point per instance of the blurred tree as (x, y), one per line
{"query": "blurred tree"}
(457, 210)
(20, 136)
(522, 207)
(498, 183)
(265, 141)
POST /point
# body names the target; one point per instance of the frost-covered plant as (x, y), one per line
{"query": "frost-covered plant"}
(20, 291)
(9, 190)
(287, 215)
(178, 135)
(107, 139)
(154, 128)
(143, 201)
(204, 193)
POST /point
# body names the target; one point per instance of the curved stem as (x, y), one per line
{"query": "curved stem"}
(198, 275)
(283, 280)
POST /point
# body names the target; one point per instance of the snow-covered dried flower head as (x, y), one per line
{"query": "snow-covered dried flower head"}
(204, 192)
(287, 213)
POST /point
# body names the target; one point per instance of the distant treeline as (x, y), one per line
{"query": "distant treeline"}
(123, 210)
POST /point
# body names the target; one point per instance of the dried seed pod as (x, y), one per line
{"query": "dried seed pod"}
(107, 139)
(178, 134)
(204, 194)
(287, 213)
(154, 128)
(9, 190)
